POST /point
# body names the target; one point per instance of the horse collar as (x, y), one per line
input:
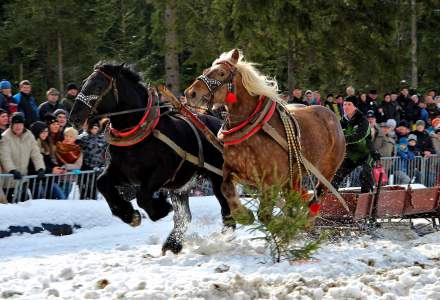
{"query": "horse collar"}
(260, 116)
(132, 136)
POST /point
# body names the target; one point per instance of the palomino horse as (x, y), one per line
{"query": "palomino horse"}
(251, 154)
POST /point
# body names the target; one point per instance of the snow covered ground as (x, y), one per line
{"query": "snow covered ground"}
(107, 259)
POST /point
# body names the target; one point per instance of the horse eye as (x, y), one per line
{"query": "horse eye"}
(222, 74)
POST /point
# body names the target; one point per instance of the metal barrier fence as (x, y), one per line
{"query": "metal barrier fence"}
(71, 185)
(421, 170)
(82, 185)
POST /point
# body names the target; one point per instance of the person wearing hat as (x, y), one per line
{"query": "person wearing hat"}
(62, 117)
(17, 148)
(435, 137)
(40, 131)
(403, 100)
(52, 103)
(413, 146)
(7, 102)
(71, 93)
(93, 147)
(26, 103)
(384, 143)
(424, 141)
(360, 149)
(55, 134)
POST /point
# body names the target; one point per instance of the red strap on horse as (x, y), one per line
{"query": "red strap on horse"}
(136, 128)
(255, 129)
(245, 122)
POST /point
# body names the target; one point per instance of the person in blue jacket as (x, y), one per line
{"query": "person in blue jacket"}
(26, 103)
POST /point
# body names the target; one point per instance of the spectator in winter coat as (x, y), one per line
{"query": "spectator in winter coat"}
(387, 109)
(93, 146)
(7, 102)
(68, 153)
(4, 121)
(52, 103)
(55, 134)
(53, 190)
(363, 104)
(402, 129)
(26, 103)
(62, 115)
(403, 100)
(383, 143)
(424, 141)
(297, 97)
(413, 146)
(69, 100)
(405, 155)
(333, 106)
(17, 147)
(435, 136)
(424, 114)
(372, 102)
(359, 146)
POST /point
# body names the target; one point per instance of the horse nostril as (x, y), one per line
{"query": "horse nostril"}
(193, 94)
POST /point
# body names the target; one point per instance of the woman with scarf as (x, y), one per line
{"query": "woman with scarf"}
(53, 190)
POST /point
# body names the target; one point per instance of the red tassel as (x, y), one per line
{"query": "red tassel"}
(231, 98)
(314, 209)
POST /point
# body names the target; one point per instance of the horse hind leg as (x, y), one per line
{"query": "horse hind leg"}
(106, 185)
(182, 219)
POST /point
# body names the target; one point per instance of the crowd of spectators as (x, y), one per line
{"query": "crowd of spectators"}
(38, 140)
(403, 124)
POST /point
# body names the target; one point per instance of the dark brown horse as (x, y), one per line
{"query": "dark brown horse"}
(252, 155)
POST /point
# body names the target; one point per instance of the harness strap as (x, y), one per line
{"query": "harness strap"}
(199, 140)
(307, 164)
(184, 154)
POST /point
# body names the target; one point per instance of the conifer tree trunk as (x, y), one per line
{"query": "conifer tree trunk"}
(414, 82)
(172, 75)
(290, 64)
(60, 62)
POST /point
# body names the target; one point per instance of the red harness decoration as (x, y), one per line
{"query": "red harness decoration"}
(139, 132)
(247, 121)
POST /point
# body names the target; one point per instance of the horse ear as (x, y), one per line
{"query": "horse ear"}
(235, 55)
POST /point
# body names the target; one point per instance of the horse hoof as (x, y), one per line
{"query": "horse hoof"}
(243, 216)
(172, 246)
(229, 224)
(136, 219)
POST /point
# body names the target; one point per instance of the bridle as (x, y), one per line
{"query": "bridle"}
(112, 85)
(213, 84)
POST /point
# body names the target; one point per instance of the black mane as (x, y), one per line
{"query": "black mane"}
(127, 70)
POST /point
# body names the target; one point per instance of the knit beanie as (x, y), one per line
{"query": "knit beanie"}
(4, 84)
(37, 128)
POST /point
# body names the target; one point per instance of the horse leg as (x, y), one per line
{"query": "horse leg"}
(106, 184)
(182, 219)
(239, 213)
(228, 221)
(156, 207)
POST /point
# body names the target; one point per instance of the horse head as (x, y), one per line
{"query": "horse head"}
(233, 82)
(103, 88)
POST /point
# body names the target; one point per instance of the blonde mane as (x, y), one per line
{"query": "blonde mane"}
(255, 83)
